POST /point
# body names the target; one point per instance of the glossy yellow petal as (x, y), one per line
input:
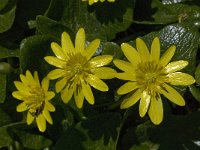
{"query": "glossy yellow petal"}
(36, 78)
(30, 78)
(144, 103)
(175, 66)
(55, 74)
(80, 40)
(55, 61)
(21, 87)
(61, 84)
(131, 53)
(29, 118)
(124, 65)
(104, 73)
(24, 80)
(99, 61)
(126, 76)
(179, 78)
(156, 110)
(67, 93)
(18, 95)
(67, 45)
(41, 123)
(130, 101)
(87, 92)
(22, 107)
(167, 56)
(45, 84)
(79, 97)
(47, 115)
(91, 49)
(49, 106)
(155, 50)
(57, 50)
(97, 83)
(172, 95)
(49, 95)
(127, 87)
(142, 49)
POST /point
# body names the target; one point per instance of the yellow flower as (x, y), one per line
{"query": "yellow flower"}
(35, 99)
(77, 70)
(95, 1)
(149, 77)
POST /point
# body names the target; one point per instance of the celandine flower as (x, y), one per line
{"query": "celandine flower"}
(149, 76)
(35, 99)
(77, 70)
(95, 1)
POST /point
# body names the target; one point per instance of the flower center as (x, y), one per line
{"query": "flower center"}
(150, 75)
(35, 101)
(76, 66)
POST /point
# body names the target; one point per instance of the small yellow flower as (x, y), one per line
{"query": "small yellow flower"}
(35, 99)
(77, 70)
(149, 76)
(95, 1)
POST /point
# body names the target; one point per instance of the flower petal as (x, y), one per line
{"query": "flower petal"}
(49, 106)
(79, 97)
(130, 101)
(29, 118)
(55, 74)
(21, 87)
(127, 87)
(156, 110)
(104, 73)
(22, 107)
(142, 49)
(167, 56)
(57, 50)
(179, 78)
(18, 95)
(61, 84)
(172, 95)
(67, 93)
(155, 50)
(97, 83)
(30, 78)
(175, 66)
(49, 95)
(99, 61)
(55, 61)
(144, 103)
(47, 115)
(36, 78)
(91, 49)
(126, 76)
(124, 65)
(80, 40)
(45, 84)
(87, 92)
(41, 123)
(131, 53)
(67, 45)
(24, 80)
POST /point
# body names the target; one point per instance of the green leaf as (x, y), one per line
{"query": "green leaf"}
(2, 87)
(3, 4)
(7, 19)
(5, 53)
(100, 132)
(195, 92)
(173, 1)
(32, 141)
(103, 21)
(197, 74)
(51, 27)
(33, 50)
